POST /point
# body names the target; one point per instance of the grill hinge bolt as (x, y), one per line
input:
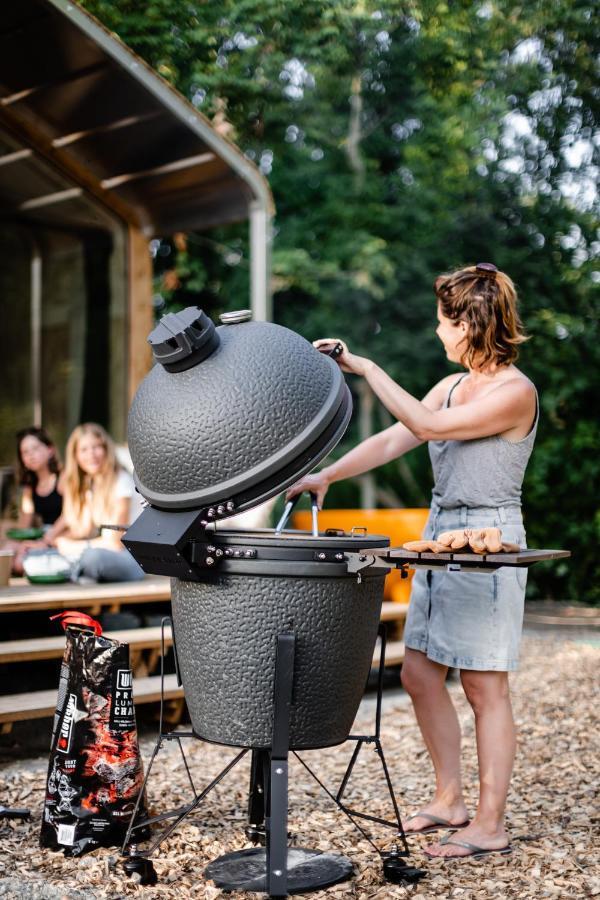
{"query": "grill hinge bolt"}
(221, 510)
(277, 872)
(230, 505)
(321, 556)
(211, 513)
(279, 771)
(209, 561)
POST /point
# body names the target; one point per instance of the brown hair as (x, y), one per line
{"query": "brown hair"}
(26, 476)
(486, 300)
(88, 502)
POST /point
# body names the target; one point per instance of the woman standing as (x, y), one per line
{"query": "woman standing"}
(480, 427)
(96, 491)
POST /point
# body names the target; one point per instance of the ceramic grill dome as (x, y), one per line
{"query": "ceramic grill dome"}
(231, 415)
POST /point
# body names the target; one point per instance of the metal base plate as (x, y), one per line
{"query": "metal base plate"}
(307, 870)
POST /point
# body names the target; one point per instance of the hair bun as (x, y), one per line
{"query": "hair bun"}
(486, 270)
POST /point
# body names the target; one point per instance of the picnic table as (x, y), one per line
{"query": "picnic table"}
(20, 596)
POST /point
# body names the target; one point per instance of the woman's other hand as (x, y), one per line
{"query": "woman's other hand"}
(316, 484)
(348, 362)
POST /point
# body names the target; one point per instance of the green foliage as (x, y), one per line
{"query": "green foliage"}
(402, 139)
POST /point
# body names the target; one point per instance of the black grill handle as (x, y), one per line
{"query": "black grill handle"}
(289, 506)
(334, 351)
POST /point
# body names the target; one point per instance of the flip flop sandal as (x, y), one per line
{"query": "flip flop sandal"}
(437, 824)
(475, 851)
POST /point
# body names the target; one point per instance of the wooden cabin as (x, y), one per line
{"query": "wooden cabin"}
(98, 155)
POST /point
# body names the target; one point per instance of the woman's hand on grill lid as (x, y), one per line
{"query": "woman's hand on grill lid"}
(348, 362)
(317, 484)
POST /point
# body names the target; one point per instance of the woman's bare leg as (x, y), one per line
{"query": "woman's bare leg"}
(425, 681)
(488, 694)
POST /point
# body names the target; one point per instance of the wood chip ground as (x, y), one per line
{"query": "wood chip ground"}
(553, 814)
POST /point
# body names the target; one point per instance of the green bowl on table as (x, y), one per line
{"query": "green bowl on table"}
(59, 578)
(46, 567)
(24, 534)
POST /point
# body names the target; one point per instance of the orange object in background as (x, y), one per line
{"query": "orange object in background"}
(399, 525)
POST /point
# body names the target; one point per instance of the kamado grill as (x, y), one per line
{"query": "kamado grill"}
(274, 630)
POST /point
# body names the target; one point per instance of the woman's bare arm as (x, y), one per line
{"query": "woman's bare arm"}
(27, 510)
(375, 451)
(389, 444)
(110, 539)
(56, 529)
(505, 407)
(500, 410)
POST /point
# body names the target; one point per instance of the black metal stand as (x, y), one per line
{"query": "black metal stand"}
(375, 739)
(8, 813)
(276, 868)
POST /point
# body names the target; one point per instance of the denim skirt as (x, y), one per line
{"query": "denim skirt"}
(469, 620)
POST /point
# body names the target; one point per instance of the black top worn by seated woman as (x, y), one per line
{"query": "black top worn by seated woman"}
(47, 506)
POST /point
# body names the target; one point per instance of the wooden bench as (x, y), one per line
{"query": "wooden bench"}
(29, 649)
(144, 642)
(53, 647)
(42, 704)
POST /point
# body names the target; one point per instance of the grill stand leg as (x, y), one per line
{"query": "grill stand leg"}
(375, 739)
(394, 867)
(277, 800)
(255, 829)
(181, 812)
(277, 869)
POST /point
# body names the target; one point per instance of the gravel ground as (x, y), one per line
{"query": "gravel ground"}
(552, 812)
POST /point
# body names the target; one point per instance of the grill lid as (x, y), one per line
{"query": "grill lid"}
(231, 415)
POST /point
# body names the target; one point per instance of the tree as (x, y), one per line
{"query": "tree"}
(401, 140)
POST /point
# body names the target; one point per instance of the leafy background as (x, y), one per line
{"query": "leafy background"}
(402, 139)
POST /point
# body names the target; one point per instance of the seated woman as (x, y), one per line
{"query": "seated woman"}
(41, 500)
(39, 467)
(96, 491)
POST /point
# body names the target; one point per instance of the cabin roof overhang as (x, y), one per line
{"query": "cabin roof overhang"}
(80, 114)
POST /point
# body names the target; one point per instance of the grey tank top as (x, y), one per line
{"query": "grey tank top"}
(485, 471)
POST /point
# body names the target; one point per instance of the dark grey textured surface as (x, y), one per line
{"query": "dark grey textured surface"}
(252, 398)
(226, 631)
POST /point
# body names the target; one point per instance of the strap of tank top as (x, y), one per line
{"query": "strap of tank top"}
(536, 419)
(450, 392)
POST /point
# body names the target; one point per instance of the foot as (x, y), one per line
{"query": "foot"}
(475, 833)
(455, 814)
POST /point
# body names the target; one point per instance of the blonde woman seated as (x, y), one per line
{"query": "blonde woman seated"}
(96, 491)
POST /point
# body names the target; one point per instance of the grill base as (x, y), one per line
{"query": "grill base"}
(246, 870)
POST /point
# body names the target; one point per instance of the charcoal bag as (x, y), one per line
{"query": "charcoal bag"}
(95, 770)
